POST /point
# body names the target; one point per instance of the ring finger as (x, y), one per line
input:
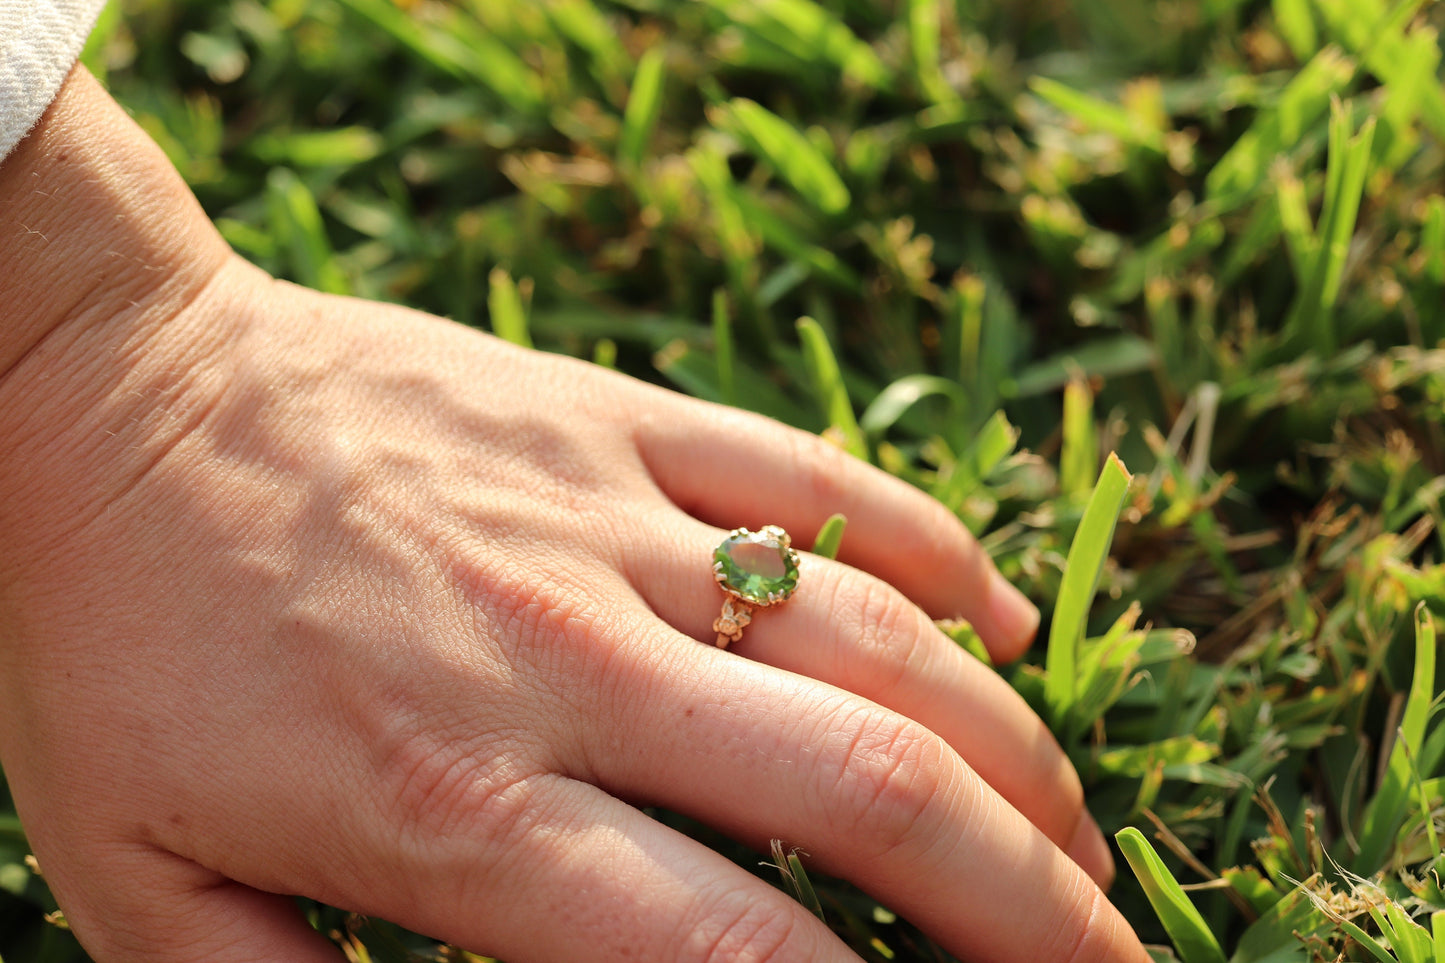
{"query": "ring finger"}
(855, 632)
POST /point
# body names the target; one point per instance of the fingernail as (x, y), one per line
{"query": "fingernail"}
(1013, 615)
(1090, 852)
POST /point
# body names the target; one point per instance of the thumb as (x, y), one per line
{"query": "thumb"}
(153, 906)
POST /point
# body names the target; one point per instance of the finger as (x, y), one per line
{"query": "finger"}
(144, 905)
(732, 468)
(874, 797)
(589, 878)
(854, 632)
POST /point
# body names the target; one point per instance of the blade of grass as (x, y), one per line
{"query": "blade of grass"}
(828, 383)
(1414, 76)
(1104, 667)
(830, 537)
(1366, 941)
(509, 315)
(1099, 114)
(806, 894)
(964, 636)
(1423, 797)
(93, 56)
(796, 878)
(732, 231)
(894, 401)
(1079, 460)
(1432, 239)
(924, 27)
(1409, 940)
(1284, 922)
(296, 220)
(777, 233)
(722, 339)
(992, 445)
(1301, 105)
(1387, 810)
(1081, 579)
(1294, 220)
(1105, 358)
(337, 147)
(604, 353)
(583, 23)
(481, 58)
(965, 319)
(809, 33)
(994, 442)
(1296, 22)
(1192, 937)
(1376, 36)
(1136, 760)
(644, 106)
(780, 145)
(730, 227)
(1311, 317)
(10, 828)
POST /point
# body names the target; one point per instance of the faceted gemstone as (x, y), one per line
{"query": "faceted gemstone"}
(757, 566)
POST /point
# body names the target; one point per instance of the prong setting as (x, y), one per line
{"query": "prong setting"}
(754, 569)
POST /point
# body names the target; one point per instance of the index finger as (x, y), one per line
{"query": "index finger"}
(732, 468)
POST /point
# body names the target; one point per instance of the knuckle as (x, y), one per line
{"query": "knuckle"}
(434, 788)
(890, 774)
(1093, 935)
(753, 932)
(523, 604)
(555, 624)
(823, 470)
(462, 825)
(889, 637)
(829, 470)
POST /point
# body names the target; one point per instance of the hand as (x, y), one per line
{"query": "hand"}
(306, 595)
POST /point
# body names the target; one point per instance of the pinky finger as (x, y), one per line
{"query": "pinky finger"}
(598, 881)
(161, 908)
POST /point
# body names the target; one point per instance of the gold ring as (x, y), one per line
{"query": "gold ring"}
(754, 569)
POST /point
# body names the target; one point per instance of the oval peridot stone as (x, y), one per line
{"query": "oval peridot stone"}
(757, 566)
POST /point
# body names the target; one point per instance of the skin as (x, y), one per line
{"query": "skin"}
(307, 595)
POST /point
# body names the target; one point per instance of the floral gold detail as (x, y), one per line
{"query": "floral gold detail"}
(755, 569)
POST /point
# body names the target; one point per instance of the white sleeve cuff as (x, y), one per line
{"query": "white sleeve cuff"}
(39, 43)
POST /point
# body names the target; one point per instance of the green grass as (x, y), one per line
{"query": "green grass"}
(1204, 234)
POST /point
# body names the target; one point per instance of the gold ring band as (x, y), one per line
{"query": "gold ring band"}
(754, 570)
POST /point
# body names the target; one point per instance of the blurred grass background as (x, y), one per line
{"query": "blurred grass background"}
(1205, 234)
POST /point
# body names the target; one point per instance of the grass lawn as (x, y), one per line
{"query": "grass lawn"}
(983, 244)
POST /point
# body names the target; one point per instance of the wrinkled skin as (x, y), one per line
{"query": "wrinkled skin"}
(307, 595)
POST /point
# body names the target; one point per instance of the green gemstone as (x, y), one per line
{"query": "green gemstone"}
(757, 566)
